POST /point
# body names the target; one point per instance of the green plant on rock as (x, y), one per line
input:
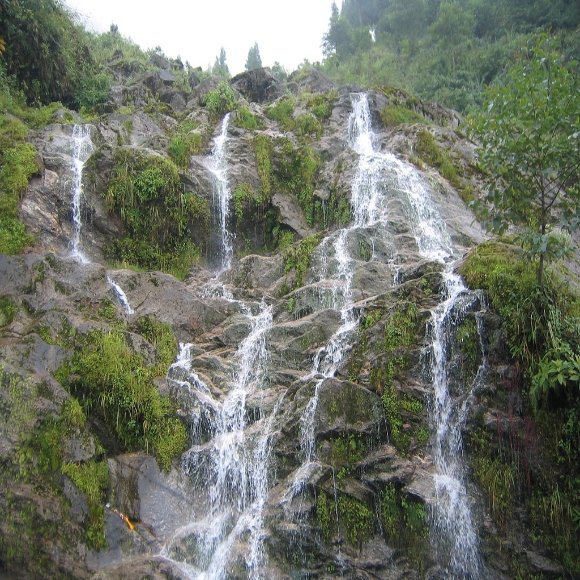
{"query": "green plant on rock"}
(282, 112)
(297, 258)
(395, 115)
(92, 479)
(146, 193)
(320, 104)
(245, 119)
(429, 151)
(356, 520)
(263, 151)
(7, 310)
(161, 336)
(182, 146)
(245, 198)
(110, 379)
(295, 170)
(220, 100)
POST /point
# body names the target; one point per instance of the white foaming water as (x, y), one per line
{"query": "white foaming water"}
(234, 464)
(121, 296)
(452, 517)
(82, 149)
(367, 209)
(222, 194)
(453, 521)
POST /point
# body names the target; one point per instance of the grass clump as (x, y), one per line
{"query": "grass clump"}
(245, 119)
(114, 381)
(429, 151)
(159, 217)
(297, 258)
(395, 115)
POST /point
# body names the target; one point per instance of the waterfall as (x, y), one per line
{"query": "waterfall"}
(368, 208)
(82, 149)
(222, 195)
(120, 296)
(233, 464)
(453, 526)
(452, 521)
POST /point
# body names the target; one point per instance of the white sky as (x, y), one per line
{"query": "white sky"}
(287, 31)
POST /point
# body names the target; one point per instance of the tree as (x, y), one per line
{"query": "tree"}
(220, 68)
(254, 61)
(530, 137)
(338, 40)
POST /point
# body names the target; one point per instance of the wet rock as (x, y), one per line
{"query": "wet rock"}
(258, 85)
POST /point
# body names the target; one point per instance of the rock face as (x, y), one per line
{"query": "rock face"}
(322, 430)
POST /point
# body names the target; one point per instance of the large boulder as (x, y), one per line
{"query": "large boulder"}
(258, 86)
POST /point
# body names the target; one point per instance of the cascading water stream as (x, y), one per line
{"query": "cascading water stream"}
(222, 195)
(453, 523)
(82, 149)
(367, 209)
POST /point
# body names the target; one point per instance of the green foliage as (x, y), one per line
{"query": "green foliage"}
(147, 194)
(297, 258)
(282, 112)
(405, 524)
(536, 319)
(245, 119)
(394, 115)
(7, 310)
(94, 91)
(92, 479)
(46, 51)
(221, 100)
(320, 104)
(530, 137)
(17, 165)
(444, 51)
(161, 336)
(355, 519)
(263, 150)
(430, 152)
(112, 380)
(324, 518)
(182, 146)
(245, 199)
(295, 170)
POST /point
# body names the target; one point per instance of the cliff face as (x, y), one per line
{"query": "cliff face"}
(306, 370)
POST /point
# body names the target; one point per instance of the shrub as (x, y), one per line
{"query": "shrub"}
(221, 100)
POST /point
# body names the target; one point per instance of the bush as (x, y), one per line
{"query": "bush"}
(221, 100)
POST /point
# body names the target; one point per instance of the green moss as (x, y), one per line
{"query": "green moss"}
(405, 525)
(467, 337)
(356, 520)
(324, 517)
(159, 218)
(429, 151)
(346, 449)
(297, 258)
(92, 479)
(394, 115)
(112, 380)
(8, 310)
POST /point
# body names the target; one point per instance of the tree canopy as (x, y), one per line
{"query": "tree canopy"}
(254, 61)
(530, 136)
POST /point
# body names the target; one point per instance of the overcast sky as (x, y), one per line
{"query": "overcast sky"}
(286, 31)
